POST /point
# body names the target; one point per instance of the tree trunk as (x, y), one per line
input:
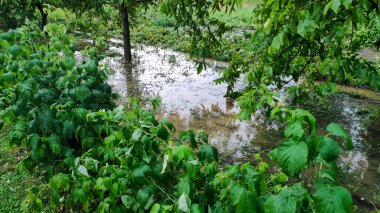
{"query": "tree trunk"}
(126, 34)
(43, 15)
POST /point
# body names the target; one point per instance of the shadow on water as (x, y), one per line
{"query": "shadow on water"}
(193, 101)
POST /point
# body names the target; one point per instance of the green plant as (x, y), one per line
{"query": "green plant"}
(139, 167)
(45, 93)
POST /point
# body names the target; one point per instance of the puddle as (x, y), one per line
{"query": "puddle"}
(193, 101)
(189, 100)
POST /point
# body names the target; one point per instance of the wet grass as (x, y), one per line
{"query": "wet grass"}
(157, 29)
(13, 183)
(241, 17)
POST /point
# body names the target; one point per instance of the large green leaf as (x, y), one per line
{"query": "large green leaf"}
(336, 5)
(142, 196)
(288, 200)
(295, 130)
(247, 203)
(236, 193)
(140, 173)
(334, 199)
(277, 42)
(337, 130)
(347, 4)
(329, 149)
(184, 203)
(291, 155)
(83, 171)
(244, 200)
(306, 28)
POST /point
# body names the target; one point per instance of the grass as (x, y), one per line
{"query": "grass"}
(157, 29)
(14, 184)
(240, 18)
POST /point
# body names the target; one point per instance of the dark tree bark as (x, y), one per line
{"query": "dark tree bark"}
(126, 34)
(43, 15)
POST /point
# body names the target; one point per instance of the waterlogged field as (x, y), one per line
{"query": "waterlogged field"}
(193, 101)
(76, 137)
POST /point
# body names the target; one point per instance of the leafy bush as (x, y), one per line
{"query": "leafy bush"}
(139, 167)
(45, 93)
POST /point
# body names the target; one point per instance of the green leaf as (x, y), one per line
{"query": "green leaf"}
(334, 199)
(8, 77)
(184, 203)
(168, 125)
(136, 135)
(182, 153)
(142, 196)
(295, 130)
(58, 14)
(288, 200)
(336, 129)
(184, 185)
(83, 171)
(165, 164)
(155, 208)
(235, 194)
(291, 155)
(60, 181)
(91, 67)
(55, 144)
(15, 50)
(347, 4)
(34, 141)
(327, 8)
(82, 93)
(68, 129)
(188, 136)
(348, 143)
(374, 81)
(247, 203)
(306, 28)
(277, 42)
(128, 201)
(78, 194)
(329, 149)
(196, 208)
(141, 172)
(162, 132)
(336, 5)
(208, 153)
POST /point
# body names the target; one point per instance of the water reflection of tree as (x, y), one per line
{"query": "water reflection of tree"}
(134, 89)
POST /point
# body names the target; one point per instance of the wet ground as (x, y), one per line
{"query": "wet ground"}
(193, 101)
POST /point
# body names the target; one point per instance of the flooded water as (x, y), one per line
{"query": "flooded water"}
(193, 101)
(189, 100)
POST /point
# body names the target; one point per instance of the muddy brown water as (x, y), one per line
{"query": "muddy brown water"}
(193, 101)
